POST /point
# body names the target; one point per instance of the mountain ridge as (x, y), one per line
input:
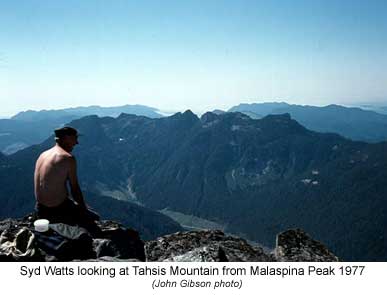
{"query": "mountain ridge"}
(141, 110)
(352, 122)
(256, 177)
(32, 127)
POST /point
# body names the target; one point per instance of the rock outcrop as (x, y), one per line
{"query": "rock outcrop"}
(210, 246)
(296, 245)
(19, 242)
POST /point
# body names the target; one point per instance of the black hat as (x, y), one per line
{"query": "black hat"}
(61, 132)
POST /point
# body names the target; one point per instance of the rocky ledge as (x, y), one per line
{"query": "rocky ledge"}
(19, 242)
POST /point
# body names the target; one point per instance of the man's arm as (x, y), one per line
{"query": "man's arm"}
(76, 192)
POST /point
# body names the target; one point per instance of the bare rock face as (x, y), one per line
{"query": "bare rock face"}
(19, 242)
(295, 245)
(211, 246)
(206, 246)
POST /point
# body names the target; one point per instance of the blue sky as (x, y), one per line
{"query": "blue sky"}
(200, 55)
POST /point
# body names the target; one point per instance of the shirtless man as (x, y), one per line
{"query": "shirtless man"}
(54, 169)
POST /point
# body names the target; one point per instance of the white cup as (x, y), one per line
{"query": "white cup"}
(41, 225)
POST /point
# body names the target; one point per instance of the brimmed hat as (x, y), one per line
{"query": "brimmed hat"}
(61, 132)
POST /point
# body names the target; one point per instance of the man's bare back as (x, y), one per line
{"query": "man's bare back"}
(51, 173)
(54, 169)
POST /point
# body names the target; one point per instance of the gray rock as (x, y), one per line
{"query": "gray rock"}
(211, 253)
(210, 245)
(109, 259)
(105, 247)
(296, 245)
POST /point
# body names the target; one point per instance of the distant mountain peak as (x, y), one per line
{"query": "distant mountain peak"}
(208, 117)
(188, 114)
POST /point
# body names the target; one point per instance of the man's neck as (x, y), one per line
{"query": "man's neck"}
(62, 147)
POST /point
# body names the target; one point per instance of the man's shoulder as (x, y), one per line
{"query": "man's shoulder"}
(61, 155)
(64, 160)
(61, 152)
(66, 157)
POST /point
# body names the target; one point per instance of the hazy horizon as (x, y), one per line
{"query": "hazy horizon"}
(198, 55)
(201, 111)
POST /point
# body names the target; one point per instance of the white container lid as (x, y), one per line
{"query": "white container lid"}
(41, 225)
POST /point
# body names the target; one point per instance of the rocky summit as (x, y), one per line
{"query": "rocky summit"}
(20, 242)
